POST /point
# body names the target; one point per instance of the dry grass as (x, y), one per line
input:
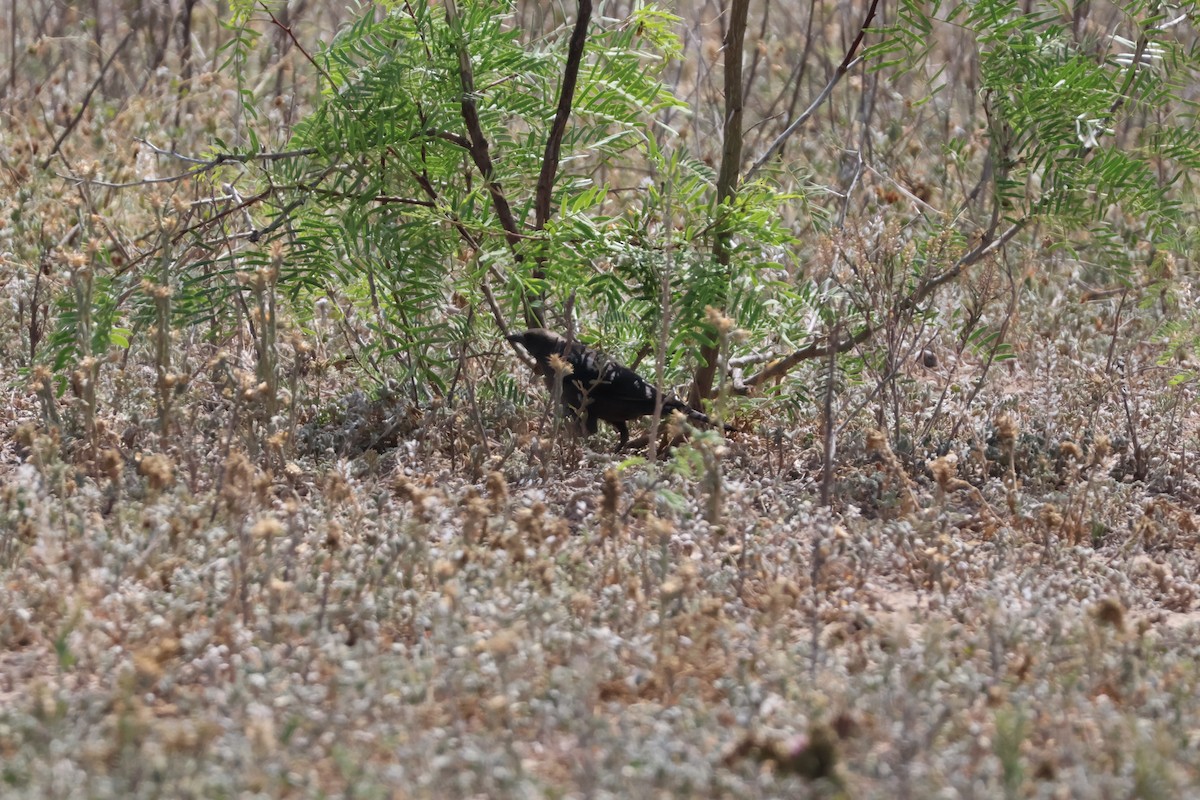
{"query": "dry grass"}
(211, 587)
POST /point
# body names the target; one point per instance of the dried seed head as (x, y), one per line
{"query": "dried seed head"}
(333, 536)
(299, 344)
(27, 434)
(239, 475)
(497, 489)
(1050, 516)
(42, 377)
(407, 490)
(443, 570)
(581, 604)
(718, 320)
(1006, 431)
(1111, 612)
(265, 276)
(560, 365)
(475, 516)
(267, 528)
(611, 493)
(1168, 266)
(943, 472)
(531, 523)
(660, 529)
(79, 383)
(111, 463)
(675, 424)
(500, 646)
(158, 471)
(1070, 450)
(337, 488)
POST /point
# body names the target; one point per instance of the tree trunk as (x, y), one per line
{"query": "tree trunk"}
(727, 178)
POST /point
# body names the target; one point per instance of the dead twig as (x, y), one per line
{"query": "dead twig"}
(849, 61)
(87, 99)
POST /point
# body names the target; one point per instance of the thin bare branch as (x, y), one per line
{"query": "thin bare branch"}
(202, 166)
(478, 143)
(550, 160)
(727, 175)
(288, 30)
(545, 183)
(848, 62)
(222, 158)
(472, 242)
(87, 99)
(780, 367)
(783, 365)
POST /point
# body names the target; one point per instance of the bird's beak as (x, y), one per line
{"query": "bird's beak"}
(516, 338)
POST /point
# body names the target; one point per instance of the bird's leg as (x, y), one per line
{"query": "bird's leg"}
(623, 430)
(590, 423)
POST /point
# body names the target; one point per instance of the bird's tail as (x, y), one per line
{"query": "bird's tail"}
(692, 414)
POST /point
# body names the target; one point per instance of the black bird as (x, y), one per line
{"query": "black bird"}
(594, 387)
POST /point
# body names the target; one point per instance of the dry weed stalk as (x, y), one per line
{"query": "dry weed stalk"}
(475, 518)
(877, 444)
(610, 493)
(85, 377)
(1006, 436)
(944, 472)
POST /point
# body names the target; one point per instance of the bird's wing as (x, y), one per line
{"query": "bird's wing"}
(615, 392)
